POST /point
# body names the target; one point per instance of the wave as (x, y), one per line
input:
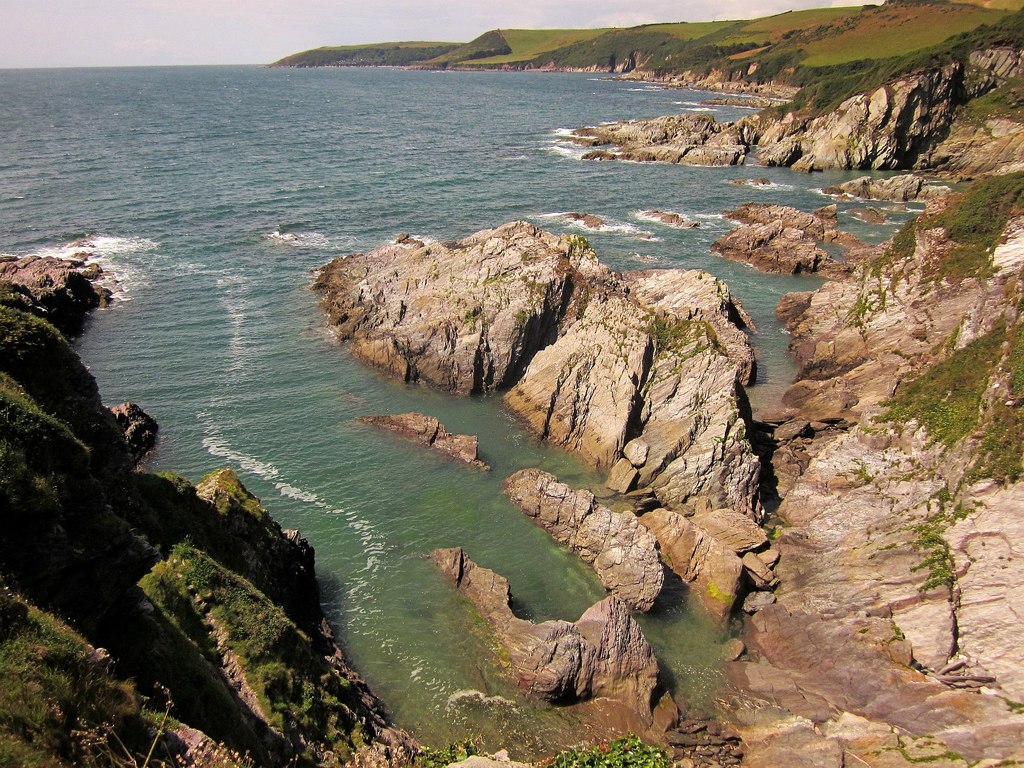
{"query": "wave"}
(572, 152)
(645, 216)
(771, 185)
(607, 226)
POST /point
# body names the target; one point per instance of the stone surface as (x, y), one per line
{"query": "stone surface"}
(139, 428)
(737, 532)
(712, 569)
(622, 477)
(603, 654)
(688, 139)
(776, 238)
(670, 218)
(61, 290)
(901, 188)
(594, 359)
(431, 433)
(621, 551)
(759, 571)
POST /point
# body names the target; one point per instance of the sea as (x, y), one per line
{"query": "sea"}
(211, 195)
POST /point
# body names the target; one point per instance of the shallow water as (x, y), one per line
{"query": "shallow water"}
(211, 193)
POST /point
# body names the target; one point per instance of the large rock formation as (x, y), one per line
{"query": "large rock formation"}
(63, 291)
(139, 428)
(777, 238)
(902, 189)
(622, 553)
(687, 139)
(595, 359)
(603, 654)
(429, 432)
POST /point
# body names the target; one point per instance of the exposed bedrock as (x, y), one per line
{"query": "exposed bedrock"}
(620, 550)
(430, 433)
(603, 654)
(900, 565)
(777, 238)
(593, 359)
(686, 139)
(139, 428)
(62, 291)
(900, 189)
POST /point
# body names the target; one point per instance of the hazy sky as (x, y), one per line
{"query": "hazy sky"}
(62, 33)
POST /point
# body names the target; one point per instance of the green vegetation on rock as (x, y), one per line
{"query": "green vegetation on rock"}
(401, 54)
(625, 752)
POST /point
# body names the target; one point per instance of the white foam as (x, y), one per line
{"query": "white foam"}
(573, 152)
(316, 240)
(645, 216)
(107, 251)
(771, 185)
(609, 226)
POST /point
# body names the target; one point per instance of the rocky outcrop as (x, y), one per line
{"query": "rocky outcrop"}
(429, 432)
(603, 654)
(776, 238)
(900, 189)
(466, 317)
(650, 366)
(139, 428)
(588, 220)
(62, 291)
(594, 359)
(622, 553)
(687, 139)
(900, 528)
(670, 219)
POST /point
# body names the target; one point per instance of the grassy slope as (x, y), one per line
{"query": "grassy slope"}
(527, 44)
(382, 54)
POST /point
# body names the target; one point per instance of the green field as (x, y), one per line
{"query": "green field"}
(368, 54)
(528, 44)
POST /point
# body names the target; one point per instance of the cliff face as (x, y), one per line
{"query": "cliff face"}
(898, 467)
(962, 118)
(195, 590)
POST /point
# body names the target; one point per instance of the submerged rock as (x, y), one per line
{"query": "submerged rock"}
(668, 218)
(603, 654)
(622, 552)
(431, 433)
(588, 220)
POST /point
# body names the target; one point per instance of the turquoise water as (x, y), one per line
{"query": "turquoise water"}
(211, 193)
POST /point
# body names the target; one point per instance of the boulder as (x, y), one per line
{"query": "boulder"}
(670, 219)
(431, 433)
(713, 570)
(621, 551)
(737, 532)
(603, 654)
(622, 476)
(139, 428)
(687, 139)
(588, 220)
(758, 571)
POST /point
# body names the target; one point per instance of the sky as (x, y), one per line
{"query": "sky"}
(78, 33)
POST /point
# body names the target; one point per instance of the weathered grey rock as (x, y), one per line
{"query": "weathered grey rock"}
(139, 428)
(588, 220)
(465, 317)
(713, 570)
(757, 601)
(621, 551)
(431, 433)
(603, 654)
(737, 532)
(901, 188)
(688, 139)
(597, 358)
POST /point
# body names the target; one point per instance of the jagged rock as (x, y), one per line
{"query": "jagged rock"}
(465, 318)
(895, 188)
(869, 215)
(688, 139)
(656, 354)
(588, 220)
(140, 429)
(429, 432)
(60, 290)
(776, 238)
(769, 557)
(713, 569)
(759, 572)
(737, 532)
(603, 654)
(670, 219)
(622, 553)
